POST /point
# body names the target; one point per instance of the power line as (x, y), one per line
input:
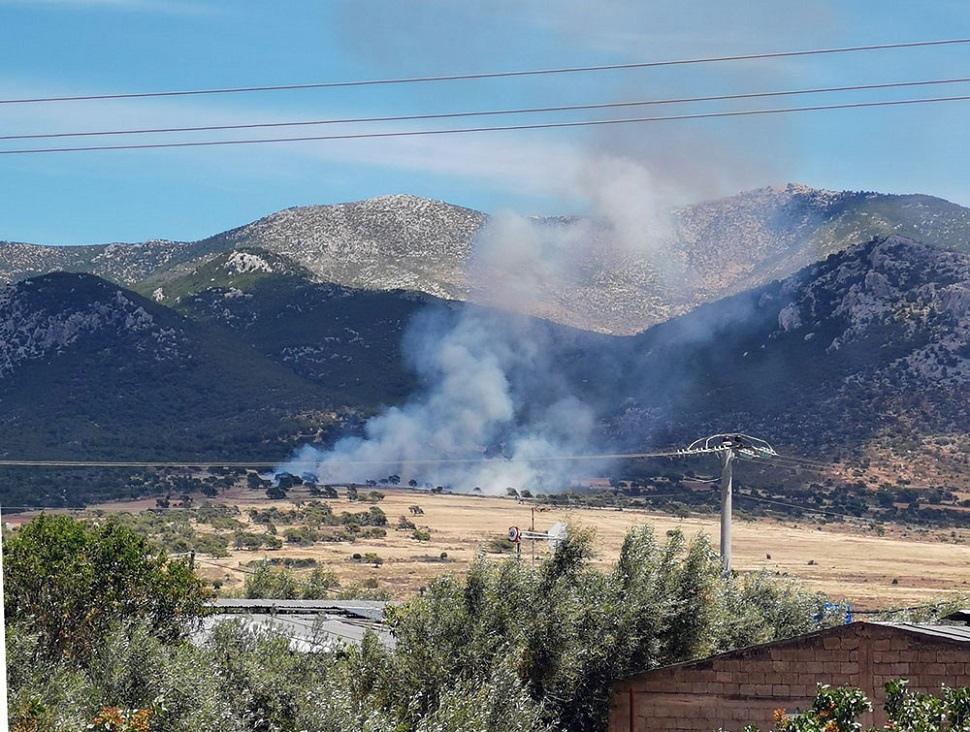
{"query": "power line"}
(670, 453)
(273, 463)
(223, 566)
(895, 610)
(488, 113)
(469, 130)
(804, 509)
(132, 464)
(491, 75)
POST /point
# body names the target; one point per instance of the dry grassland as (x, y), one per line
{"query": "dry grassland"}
(846, 563)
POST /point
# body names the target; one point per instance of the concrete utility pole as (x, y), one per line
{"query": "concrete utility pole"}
(728, 447)
(727, 470)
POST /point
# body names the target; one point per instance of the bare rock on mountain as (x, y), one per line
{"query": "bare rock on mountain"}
(582, 272)
(386, 243)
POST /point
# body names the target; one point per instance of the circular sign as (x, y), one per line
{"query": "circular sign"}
(514, 534)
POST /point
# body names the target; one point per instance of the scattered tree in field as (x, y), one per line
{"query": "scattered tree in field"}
(276, 492)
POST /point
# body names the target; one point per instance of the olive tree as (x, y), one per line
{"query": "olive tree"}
(69, 581)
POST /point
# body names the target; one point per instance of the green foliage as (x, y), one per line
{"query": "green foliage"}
(268, 581)
(912, 712)
(838, 710)
(70, 581)
(508, 646)
(572, 629)
(500, 545)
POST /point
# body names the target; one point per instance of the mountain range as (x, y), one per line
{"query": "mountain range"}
(832, 324)
(590, 273)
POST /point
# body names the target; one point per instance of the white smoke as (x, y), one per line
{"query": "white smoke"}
(492, 412)
(465, 429)
(476, 422)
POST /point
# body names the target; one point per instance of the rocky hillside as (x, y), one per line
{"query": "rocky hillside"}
(573, 270)
(89, 370)
(124, 264)
(386, 243)
(862, 357)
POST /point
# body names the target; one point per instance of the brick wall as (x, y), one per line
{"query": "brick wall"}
(746, 686)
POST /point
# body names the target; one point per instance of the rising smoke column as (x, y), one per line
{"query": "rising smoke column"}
(477, 421)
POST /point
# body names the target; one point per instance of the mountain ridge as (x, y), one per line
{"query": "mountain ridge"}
(600, 283)
(862, 356)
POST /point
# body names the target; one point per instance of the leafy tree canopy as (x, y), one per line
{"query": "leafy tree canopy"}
(569, 629)
(69, 581)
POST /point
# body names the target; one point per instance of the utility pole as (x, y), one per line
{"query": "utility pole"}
(728, 447)
(727, 470)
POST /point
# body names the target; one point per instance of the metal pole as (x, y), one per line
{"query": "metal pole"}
(727, 459)
(533, 529)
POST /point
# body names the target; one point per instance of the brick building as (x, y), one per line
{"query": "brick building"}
(746, 686)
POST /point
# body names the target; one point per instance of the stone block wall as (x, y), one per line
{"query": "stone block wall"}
(747, 686)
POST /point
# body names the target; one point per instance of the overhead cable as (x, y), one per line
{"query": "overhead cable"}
(470, 130)
(489, 75)
(803, 509)
(487, 113)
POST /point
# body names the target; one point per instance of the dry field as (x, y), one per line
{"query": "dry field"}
(846, 563)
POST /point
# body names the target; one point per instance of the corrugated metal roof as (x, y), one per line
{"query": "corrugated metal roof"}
(310, 625)
(959, 633)
(369, 609)
(960, 615)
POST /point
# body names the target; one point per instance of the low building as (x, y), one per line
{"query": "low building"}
(746, 686)
(310, 625)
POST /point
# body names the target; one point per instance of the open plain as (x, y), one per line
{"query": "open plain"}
(894, 567)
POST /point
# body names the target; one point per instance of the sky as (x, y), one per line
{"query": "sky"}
(53, 48)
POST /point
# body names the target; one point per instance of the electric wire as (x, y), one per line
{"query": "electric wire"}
(486, 113)
(492, 75)
(473, 130)
(276, 462)
(800, 465)
(669, 453)
(804, 509)
(198, 560)
(896, 610)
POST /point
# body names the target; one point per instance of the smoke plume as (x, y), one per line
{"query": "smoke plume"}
(467, 428)
(495, 411)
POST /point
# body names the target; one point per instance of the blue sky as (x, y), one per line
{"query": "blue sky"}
(77, 47)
